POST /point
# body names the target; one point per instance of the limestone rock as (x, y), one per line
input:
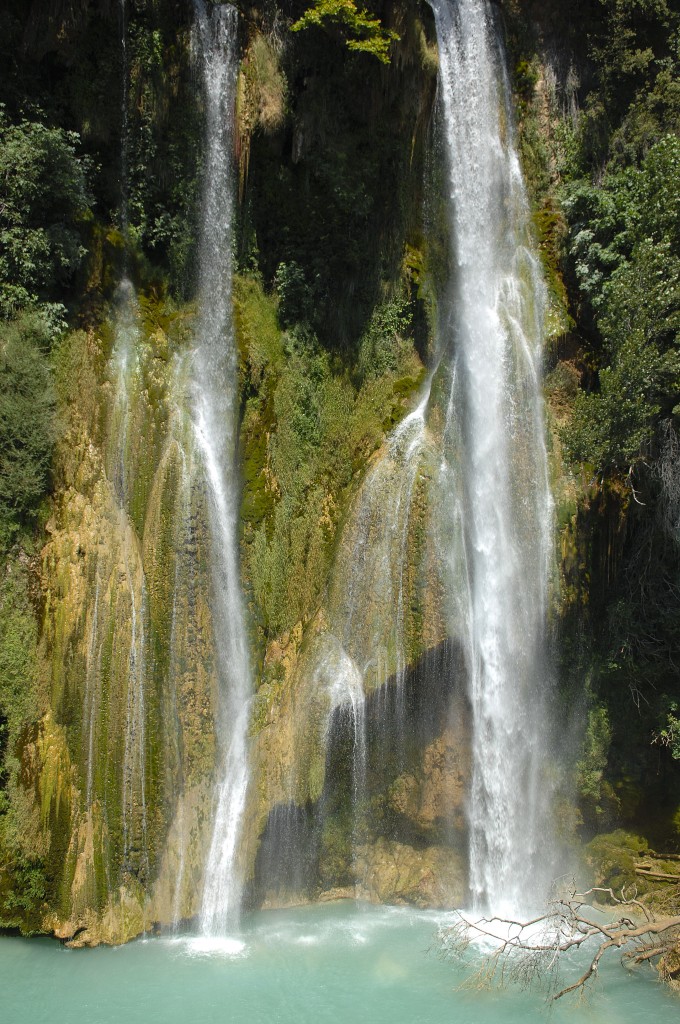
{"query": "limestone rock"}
(392, 872)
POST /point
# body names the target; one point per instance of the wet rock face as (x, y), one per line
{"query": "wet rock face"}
(396, 873)
(120, 779)
(126, 659)
(397, 834)
(433, 798)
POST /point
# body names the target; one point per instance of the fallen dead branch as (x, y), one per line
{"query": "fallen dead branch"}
(531, 952)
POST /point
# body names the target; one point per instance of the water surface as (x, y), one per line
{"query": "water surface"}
(339, 963)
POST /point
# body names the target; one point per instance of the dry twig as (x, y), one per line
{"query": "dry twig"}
(529, 952)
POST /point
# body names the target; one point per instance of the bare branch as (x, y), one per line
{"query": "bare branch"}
(529, 952)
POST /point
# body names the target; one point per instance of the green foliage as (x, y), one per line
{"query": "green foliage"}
(163, 150)
(27, 421)
(361, 32)
(634, 46)
(611, 428)
(613, 857)
(296, 299)
(625, 247)
(43, 196)
(525, 78)
(18, 651)
(590, 768)
(340, 202)
(22, 879)
(308, 429)
(23, 889)
(669, 735)
(385, 341)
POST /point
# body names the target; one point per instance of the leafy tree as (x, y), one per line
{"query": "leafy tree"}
(27, 421)
(296, 298)
(43, 195)
(625, 248)
(635, 47)
(361, 31)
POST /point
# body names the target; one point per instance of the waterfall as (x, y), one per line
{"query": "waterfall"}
(214, 411)
(498, 482)
(366, 606)
(121, 618)
(363, 646)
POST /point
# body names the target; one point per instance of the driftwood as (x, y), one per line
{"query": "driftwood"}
(529, 952)
(640, 869)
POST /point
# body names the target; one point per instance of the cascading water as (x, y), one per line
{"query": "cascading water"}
(498, 484)
(120, 472)
(367, 602)
(367, 644)
(364, 645)
(214, 420)
(128, 632)
(134, 810)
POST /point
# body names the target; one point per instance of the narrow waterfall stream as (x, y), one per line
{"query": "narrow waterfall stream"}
(363, 650)
(118, 622)
(367, 645)
(499, 490)
(126, 371)
(214, 386)
(134, 809)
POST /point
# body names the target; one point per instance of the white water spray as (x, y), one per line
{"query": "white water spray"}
(214, 417)
(499, 490)
(365, 645)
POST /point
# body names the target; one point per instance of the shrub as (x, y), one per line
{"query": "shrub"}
(27, 421)
(43, 195)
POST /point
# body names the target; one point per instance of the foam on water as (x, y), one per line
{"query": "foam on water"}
(226, 946)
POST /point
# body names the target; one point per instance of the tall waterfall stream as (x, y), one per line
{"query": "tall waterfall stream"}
(500, 484)
(214, 416)
(495, 503)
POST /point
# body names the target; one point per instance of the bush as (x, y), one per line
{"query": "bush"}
(360, 31)
(624, 246)
(296, 298)
(27, 421)
(22, 879)
(43, 195)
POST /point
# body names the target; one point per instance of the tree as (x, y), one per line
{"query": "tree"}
(43, 196)
(27, 421)
(361, 31)
(624, 248)
(531, 952)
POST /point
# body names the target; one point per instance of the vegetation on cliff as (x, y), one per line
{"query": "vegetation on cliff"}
(598, 87)
(364, 33)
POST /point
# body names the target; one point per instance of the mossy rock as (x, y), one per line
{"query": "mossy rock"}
(613, 858)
